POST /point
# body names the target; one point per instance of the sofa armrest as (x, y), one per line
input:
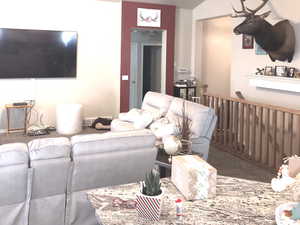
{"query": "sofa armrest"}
(201, 146)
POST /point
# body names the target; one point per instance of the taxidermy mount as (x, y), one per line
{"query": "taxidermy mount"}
(277, 40)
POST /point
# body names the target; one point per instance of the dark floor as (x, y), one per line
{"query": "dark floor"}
(225, 163)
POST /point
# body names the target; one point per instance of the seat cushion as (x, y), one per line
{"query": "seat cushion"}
(49, 148)
(13, 154)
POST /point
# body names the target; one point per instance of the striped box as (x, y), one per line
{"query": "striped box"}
(149, 207)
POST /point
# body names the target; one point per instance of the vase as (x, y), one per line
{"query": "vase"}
(149, 207)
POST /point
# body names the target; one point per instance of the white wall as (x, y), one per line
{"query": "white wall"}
(245, 62)
(216, 55)
(97, 85)
(183, 37)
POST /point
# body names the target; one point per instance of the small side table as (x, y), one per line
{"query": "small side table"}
(26, 108)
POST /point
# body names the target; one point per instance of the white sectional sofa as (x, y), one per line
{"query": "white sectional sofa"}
(203, 119)
(44, 182)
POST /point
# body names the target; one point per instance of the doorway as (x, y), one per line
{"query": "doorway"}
(216, 48)
(148, 64)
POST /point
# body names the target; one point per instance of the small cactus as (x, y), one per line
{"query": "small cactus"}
(152, 186)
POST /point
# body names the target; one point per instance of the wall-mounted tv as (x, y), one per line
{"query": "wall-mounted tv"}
(37, 53)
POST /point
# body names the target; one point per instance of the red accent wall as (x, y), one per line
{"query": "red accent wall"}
(129, 21)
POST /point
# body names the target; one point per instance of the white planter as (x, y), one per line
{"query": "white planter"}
(149, 207)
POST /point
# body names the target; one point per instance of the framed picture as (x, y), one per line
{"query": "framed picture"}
(291, 72)
(269, 71)
(148, 17)
(248, 41)
(281, 71)
(297, 74)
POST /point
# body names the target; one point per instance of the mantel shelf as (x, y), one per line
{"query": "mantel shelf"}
(275, 83)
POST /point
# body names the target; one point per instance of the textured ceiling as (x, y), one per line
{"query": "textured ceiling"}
(187, 4)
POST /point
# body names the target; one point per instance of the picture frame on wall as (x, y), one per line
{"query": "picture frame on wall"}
(269, 71)
(281, 71)
(148, 17)
(291, 72)
(248, 41)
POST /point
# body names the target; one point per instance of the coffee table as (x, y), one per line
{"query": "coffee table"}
(163, 163)
(238, 202)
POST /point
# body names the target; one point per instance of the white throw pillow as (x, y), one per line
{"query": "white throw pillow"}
(163, 127)
(130, 116)
(142, 120)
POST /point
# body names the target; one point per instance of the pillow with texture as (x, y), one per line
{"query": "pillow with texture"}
(163, 127)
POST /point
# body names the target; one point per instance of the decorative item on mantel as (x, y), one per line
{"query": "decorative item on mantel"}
(279, 71)
(260, 71)
(288, 179)
(149, 199)
(194, 177)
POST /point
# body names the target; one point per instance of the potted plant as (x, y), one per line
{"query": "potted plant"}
(149, 200)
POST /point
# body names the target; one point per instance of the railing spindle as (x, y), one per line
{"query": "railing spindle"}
(226, 122)
(253, 133)
(290, 131)
(242, 127)
(247, 132)
(230, 123)
(267, 137)
(274, 137)
(260, 122)
(282, 154)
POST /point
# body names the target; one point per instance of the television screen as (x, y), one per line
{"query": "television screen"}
(37, 53)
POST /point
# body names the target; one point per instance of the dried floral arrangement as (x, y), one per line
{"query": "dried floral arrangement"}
(184, 125)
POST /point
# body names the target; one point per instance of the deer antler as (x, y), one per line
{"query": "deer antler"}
(253, 11)
(241, 13)
(246, 11)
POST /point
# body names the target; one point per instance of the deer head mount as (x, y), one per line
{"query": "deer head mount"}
(277, 40)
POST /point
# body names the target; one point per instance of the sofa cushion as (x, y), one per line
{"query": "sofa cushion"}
(201, 116)
(111, 141)
(13, 154)
(157, 103)
(49, 148)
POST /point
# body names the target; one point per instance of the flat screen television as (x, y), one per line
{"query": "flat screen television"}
(37, 53)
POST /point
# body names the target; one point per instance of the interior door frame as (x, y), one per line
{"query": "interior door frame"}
(129, 22)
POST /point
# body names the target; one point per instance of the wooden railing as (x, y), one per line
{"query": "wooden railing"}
(262, 133)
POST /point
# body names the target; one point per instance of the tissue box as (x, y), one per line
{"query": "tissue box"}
(194, 177)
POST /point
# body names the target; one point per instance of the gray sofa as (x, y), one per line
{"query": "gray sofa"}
(203, 119)
(44, 182)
